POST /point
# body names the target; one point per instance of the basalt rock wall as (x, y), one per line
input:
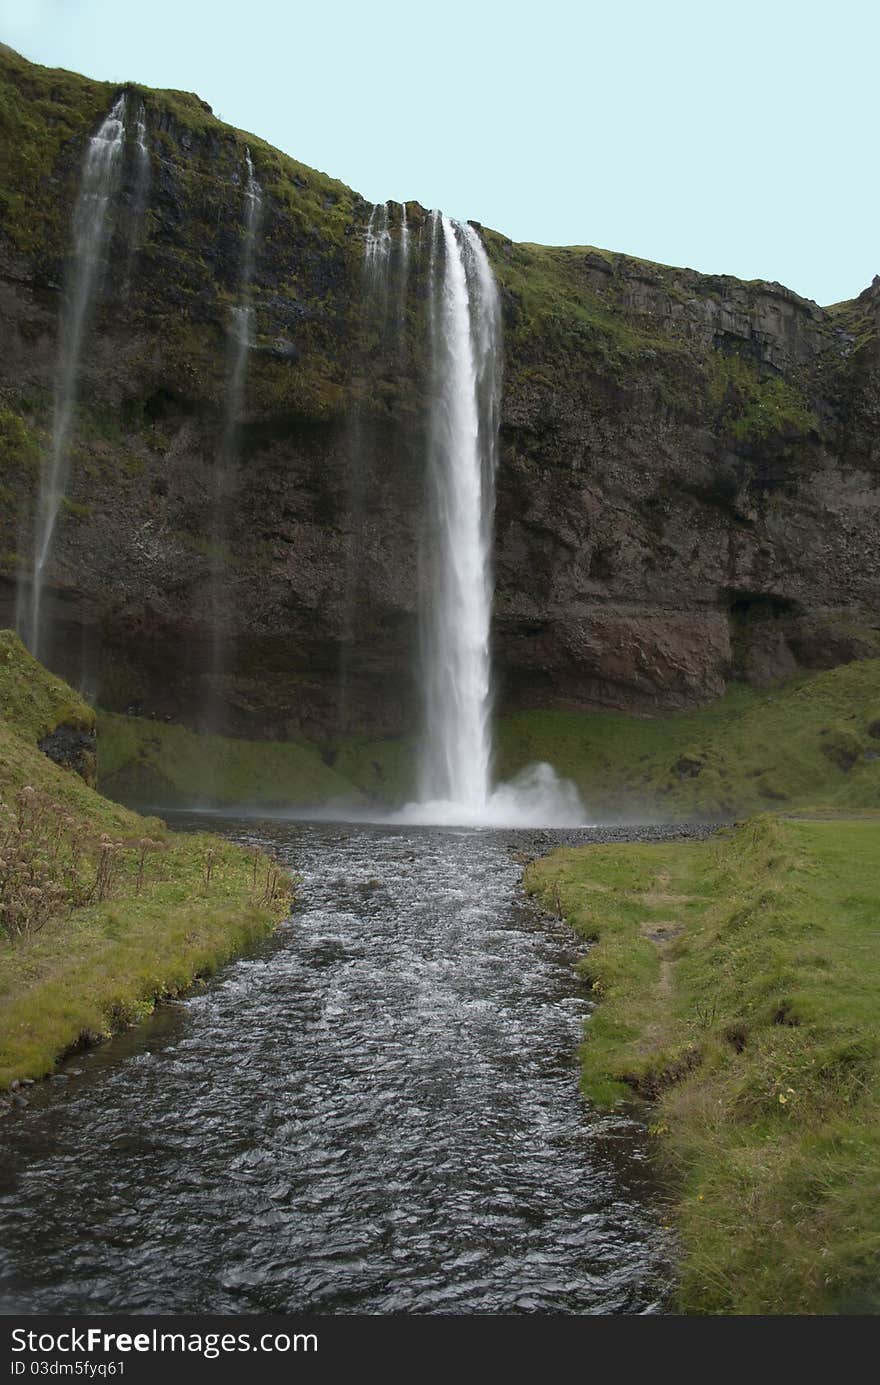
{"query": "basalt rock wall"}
(689, 479)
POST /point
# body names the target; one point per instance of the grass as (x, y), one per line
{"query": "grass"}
(737, 982)
(90, 969)
(151, 762)
(810, 741)
(33, 701)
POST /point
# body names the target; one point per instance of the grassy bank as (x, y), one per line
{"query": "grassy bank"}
(816, 739)
(737, 982)
(101, 911)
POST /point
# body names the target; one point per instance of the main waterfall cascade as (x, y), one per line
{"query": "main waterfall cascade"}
(465, 330)
(455, 752)
(91, 228)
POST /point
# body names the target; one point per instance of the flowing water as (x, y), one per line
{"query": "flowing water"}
(377, 1112)
(91, 227)
(383, 272)
(139, 196)
(465, 327)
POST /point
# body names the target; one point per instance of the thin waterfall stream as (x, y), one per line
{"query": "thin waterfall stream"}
(91, 228)
(241, 330)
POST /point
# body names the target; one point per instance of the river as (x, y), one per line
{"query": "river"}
(375, 1112)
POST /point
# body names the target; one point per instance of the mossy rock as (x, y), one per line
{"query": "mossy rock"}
(843, 746)
(689, 765)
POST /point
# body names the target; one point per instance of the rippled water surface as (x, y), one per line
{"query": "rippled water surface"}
(376, 1113)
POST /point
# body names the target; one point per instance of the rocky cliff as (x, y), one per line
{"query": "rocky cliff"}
(689, 483)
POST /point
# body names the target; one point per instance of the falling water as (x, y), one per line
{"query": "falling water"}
(141, 191)
(91, 225)
(241, 324)
(402, 278)
(455, 760)
(377, 268)
(465, 326)
(241, 330)
(375, 287)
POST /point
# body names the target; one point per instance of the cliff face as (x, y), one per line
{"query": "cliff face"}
(689, 484)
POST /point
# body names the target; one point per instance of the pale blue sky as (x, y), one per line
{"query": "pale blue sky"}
(731, 137)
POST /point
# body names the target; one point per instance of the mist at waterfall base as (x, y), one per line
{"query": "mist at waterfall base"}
(536, 797)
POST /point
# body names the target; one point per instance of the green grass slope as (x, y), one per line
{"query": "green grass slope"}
(161, 763)
(96, 954)
(814, 740)
(737, 982)
(33, 701)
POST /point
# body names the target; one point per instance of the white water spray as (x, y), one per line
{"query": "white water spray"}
(91, 226)
(377, 262)
(465, 337)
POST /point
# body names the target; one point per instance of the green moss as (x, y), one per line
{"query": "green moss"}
(752, 406)
(32, 701)
(737, 982)
(152, 762)
(45, 114)
(558, 303)
(19, 445)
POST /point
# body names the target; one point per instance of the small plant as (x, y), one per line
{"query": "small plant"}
(108, 869)
(144, 845)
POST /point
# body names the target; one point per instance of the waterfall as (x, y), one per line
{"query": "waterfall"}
(402, 278)
(377, 263)
(376, 274)
(465, 332)
(455, 751)
(140, 193)
(242, 315)
(241, 333)
(91, 226)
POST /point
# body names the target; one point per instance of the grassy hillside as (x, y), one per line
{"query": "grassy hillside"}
(101, 911)
(814, 740)
(151, 762)
(737, 981)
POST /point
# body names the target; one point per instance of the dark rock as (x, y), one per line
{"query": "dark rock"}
(74, 749)
(688, 766)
